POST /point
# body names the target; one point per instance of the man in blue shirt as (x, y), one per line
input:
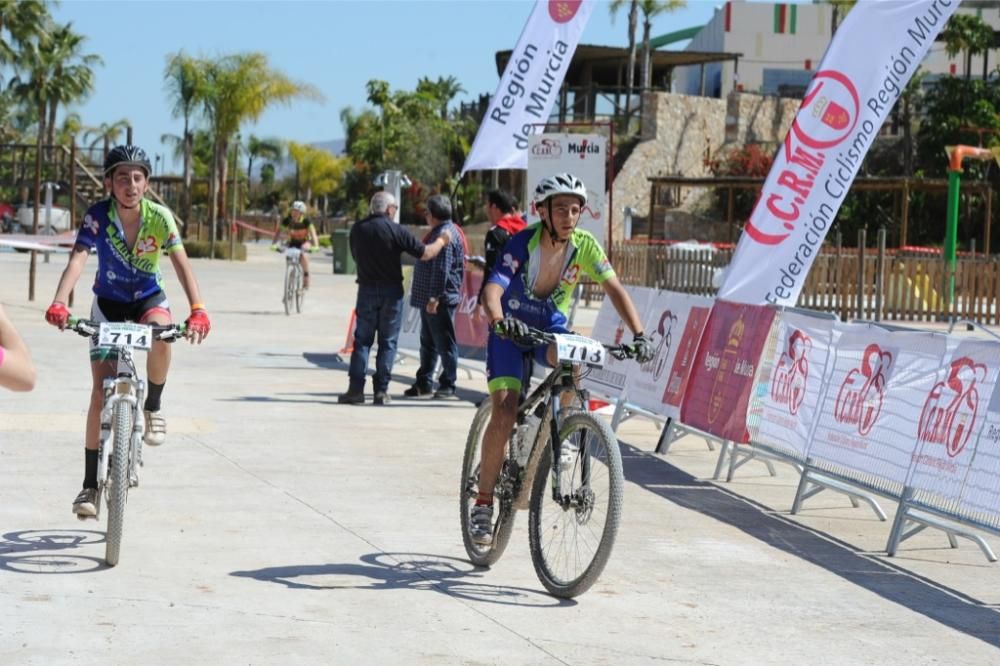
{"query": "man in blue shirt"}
(436, 292)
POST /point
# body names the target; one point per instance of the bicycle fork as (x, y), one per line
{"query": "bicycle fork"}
(117, 390)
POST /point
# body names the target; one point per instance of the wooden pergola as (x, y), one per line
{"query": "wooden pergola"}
(901, 187)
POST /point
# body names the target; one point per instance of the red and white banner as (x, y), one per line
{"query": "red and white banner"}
(665, 322)
(876, 50)
(609, 328)
(879, 384)
(530, 84)
(725, 367)
(793, 376)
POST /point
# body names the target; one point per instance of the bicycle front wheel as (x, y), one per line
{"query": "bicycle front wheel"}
(572, 533)
(117, 485)
(503, 522)
(300, 292)
(289, 297)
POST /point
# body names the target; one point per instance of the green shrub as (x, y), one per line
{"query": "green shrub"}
(324, 240)
(199, 249)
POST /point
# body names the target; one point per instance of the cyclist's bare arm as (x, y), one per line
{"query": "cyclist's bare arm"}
(623, 304)
(185, 274)
(312, 235)
(491, 302)
(434, 249)
(17, 372)
(74, 267)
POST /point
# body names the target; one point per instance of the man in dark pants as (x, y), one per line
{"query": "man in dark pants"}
(436, 292)
(376, 244)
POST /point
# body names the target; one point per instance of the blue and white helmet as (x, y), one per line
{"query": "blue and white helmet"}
(561, 183)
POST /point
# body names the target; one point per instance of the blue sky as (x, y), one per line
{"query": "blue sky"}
(335, 45)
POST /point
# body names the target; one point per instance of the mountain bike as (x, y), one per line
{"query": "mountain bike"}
(562, 464)
(119, 449)
(294, 292)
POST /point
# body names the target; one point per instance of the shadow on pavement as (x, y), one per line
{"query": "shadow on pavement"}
(393, 571)
(44, 551)
(937, 602)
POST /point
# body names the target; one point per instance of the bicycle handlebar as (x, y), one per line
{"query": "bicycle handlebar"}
(88, 328)
(537, 336)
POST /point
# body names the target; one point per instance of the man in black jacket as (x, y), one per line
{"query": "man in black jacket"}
(377, 244)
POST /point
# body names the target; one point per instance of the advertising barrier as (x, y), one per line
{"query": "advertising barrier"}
(878, 385)
(666, 322)
(610, 380)
(718, 392)
(793, 375)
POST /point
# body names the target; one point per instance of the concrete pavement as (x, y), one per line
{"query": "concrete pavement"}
(278, 527)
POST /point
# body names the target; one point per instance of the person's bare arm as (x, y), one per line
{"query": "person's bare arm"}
(17, 372)
(492, 293)
(74, 267)
(623, 304)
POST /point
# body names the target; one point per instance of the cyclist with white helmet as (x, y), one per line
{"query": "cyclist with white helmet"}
(301, 234)
(128, 233)
(532, 285)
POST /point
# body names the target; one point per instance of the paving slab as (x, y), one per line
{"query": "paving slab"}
(276, 526)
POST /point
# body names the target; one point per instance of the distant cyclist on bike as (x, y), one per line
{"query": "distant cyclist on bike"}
(301, 234)
(532, 285)
(128, 233)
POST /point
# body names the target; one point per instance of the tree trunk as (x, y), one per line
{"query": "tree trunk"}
(633, 21)
(213, 195)
(188, 149)
(53, 105)
(646, 27)
(223, 172)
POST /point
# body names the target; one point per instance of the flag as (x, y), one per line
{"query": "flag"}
(844, 108)
(529, 85)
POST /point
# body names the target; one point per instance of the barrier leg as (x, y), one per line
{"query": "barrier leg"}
(722, 458)
(619, 414)
(666, 437)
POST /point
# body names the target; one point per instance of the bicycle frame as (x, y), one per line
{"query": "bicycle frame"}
(549, 392)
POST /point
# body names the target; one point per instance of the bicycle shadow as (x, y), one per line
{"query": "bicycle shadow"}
(44, 551)
(396, 571)
(933, 600)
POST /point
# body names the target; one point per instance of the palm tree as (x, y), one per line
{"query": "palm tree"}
(443, 90)
(185, 85)
(650, 10)
(72, 125)
(72, 72)
(239, 88)
(268, 149)
(22, 21)
(105, 134)
(633, 20)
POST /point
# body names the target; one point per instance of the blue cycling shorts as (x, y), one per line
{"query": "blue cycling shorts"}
(505, 360)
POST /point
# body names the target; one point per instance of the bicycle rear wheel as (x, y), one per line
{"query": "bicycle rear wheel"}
(117, 486)
(300, 293)
(503, 522)
(571, 539)
(289, 296)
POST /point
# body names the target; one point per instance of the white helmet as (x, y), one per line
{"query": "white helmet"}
(561, 183)
(299, 206)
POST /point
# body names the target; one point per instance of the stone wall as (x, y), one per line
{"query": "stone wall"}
(681, 132)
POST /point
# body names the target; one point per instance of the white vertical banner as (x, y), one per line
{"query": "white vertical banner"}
(583, 155)
(530, 84)
(876, 50)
